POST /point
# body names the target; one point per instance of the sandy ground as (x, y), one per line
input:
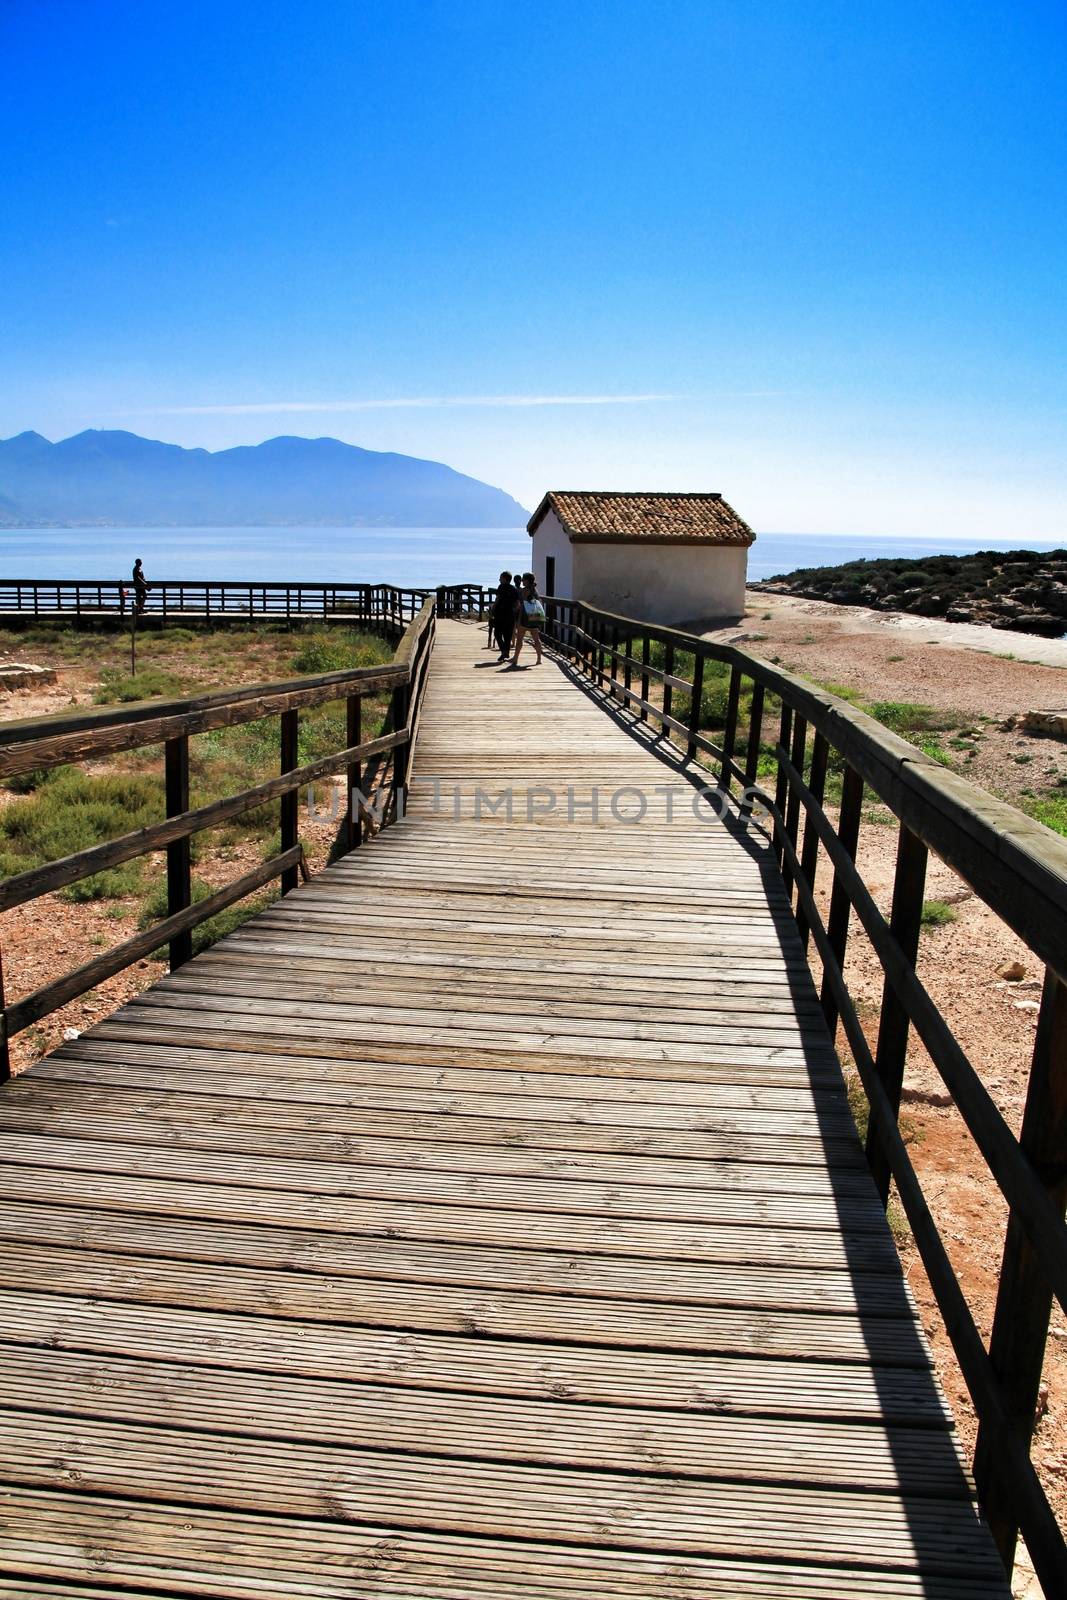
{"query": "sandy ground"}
(1005, 642)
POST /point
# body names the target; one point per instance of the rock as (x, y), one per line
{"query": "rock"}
(22, 675)
(926, 1097)
(959, 614)
(1027, 1005)
(1013, 972)
(1041, 622)
(1051, 723)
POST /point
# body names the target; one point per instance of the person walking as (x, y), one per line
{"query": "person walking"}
(506, 608)
(140, 586)
(532, 620)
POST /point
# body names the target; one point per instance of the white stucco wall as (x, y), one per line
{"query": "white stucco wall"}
(550, 540)
(663, 583)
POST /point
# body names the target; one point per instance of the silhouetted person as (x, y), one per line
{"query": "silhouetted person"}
(505, 615)
(140, 586)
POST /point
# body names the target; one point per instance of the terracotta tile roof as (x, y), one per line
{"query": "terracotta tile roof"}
(594, 516)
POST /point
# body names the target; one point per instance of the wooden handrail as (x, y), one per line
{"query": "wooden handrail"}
(47, 741)
(41, 742)
(1019, 869)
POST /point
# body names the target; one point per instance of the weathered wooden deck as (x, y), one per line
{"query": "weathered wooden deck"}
(484, 1219)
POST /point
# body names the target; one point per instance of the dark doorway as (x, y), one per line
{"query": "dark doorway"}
(550, 575)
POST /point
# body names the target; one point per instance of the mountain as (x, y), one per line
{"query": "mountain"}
(100, 478)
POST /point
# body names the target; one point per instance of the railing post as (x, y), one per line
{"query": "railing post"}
(614, 652)
(905, 922)
(848, 831)
(628, 670)
(668, 688)
(401, 703)
(5, 1052)
(695, 697)
(792, 804)
(809, 856)
(646, 652)
(729, 737)
(179, 855)
(781, 788)
(353, 736)
(755, 737)
(1024, 1298)
(290, 734)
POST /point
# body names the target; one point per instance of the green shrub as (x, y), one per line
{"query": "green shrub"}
(1049, 809)
(73, 811)
(36, 778)
(936, 752)
(216, 927)
(110, 885)
(906, 717)
(339, 650)
(119, 687)
(937, 914)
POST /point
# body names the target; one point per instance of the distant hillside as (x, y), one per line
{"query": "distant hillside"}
(1024, 589)
(118, 479)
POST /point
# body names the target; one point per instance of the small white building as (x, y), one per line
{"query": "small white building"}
(667, 558)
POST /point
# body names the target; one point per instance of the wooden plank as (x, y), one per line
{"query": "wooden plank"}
(646, 1512)
(750, 1244)
(551, 1432)
(229, 1555)
(367, 1301)
(597, 1374)
(581, 1196)
(874, 1316)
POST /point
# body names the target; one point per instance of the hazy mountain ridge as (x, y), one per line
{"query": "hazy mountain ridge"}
(108, 478)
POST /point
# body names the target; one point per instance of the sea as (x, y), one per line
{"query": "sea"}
(407, 557)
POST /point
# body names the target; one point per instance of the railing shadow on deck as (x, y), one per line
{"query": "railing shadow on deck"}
(1016, 866)
(381, 764)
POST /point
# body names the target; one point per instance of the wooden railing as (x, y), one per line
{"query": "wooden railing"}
(43, 742)
(171, 600)
(1016, 866)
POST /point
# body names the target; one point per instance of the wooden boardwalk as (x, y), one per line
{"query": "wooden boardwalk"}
(483, 1220)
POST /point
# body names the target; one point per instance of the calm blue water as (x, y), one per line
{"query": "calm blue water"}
(408, 557)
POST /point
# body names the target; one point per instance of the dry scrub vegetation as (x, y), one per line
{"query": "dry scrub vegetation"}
(49, 814)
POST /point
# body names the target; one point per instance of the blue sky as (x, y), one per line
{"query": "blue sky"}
(810, 254)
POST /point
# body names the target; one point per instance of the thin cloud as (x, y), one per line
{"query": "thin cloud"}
(412, 402)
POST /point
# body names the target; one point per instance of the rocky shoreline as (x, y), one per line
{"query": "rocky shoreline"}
(1024, 590)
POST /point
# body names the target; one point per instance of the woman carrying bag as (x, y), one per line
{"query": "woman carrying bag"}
(532, 619)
